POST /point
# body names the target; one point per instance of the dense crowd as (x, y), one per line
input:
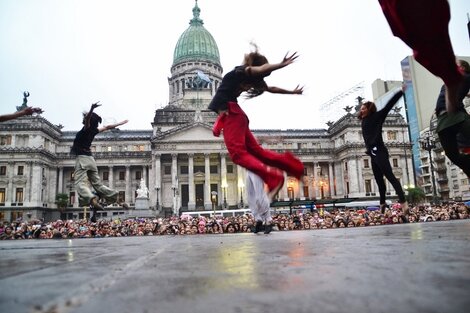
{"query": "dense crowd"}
(187, 225)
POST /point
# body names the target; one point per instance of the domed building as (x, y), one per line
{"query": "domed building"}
(184, 166)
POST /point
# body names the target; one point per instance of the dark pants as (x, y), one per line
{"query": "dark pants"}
(448, 139)
(381, 167)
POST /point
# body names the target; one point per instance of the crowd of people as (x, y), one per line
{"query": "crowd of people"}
(187, 225)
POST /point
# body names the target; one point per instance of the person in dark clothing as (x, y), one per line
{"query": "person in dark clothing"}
(371, 123)
(452, 126)
(423, 26)
(242, 146)
(85, 165)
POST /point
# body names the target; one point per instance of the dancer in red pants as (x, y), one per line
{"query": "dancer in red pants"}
(423, 26)
(242, 146)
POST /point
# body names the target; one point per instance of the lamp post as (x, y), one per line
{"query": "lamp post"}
(224, 190)
(427, 143)
(175, 202)
(214, 200)
(241, 186)
(158, 203)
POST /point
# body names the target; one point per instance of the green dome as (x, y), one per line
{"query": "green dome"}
(196, 43)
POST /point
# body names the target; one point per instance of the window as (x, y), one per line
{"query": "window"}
(122, 175)
(184, 169)
(71, 198)
(19, 195)
(105, 175)
(345, 166)
(290, 192)
(306, 191)
(167, 169)
(20, 170)
(395, 162)
(368, 186)
(139, 147)
(138, 175)
(213, 169)
(3, 170)
(199, 169)
(16, 215)
(122, 196)
(110, 148)
(2, 195)
(5, 140)
(229, 168)
(366, 163)
(391, 135)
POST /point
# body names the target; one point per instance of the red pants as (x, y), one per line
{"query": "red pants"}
(423, 26)
(245, 151)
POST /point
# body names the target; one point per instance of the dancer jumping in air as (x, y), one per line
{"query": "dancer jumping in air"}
(372, 122)
(454, 126)
(85, 165)
(242, 146)
(423, 26)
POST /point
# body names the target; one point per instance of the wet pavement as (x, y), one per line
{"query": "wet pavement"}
(421, 267)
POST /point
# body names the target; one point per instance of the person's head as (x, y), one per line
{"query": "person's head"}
(256, 85)
(463, 66)
(366, 109)
(95, 119)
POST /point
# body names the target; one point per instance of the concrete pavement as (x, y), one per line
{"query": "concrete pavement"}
(421, 267)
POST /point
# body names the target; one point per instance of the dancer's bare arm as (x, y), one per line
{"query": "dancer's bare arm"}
(88, 116)
(108, 127)
(267, 68)
(25, 111)
(297, 91)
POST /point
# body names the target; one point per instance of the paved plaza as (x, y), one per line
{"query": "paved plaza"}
(421, 267)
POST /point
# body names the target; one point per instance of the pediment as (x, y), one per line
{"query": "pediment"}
(189, 132)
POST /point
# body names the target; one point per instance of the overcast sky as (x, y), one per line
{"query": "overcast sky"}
(70, 53)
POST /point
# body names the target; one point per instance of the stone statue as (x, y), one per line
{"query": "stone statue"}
(143, 191)
(25, 101)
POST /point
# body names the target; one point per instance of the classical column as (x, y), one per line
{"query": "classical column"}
(330, 176)
(174, 181)
(158, 180)
(60, 188)
(316, 190)
(360, 180)
(191, 193)
(223, 180)
(144, 174)
(128, 196)
(207, 182)
(241, 198)
(111, 177)
(10, 193)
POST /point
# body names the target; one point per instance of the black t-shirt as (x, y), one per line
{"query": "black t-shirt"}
(83, 140)
(372, 124)
(463, 91)
(229, 88)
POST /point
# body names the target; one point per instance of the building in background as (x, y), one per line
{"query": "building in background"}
(184, 166)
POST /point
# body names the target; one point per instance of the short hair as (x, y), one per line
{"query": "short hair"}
(465, 65)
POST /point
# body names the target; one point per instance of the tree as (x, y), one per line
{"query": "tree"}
(62, 200)
(415, 195)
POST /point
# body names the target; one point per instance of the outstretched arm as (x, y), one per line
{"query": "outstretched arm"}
(267, 68)
(88, 116)
(108, 127)
(297, 91)
(25, 111)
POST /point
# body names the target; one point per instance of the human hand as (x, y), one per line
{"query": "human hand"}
(95, 105)
(298, 90)
(288, 59)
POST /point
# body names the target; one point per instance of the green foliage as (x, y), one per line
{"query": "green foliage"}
(415, 195)
(62, 200)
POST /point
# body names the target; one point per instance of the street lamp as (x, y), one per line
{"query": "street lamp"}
(427, 143)
(241, 186)
(158, 203)
(214, 200)
(224, 189)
